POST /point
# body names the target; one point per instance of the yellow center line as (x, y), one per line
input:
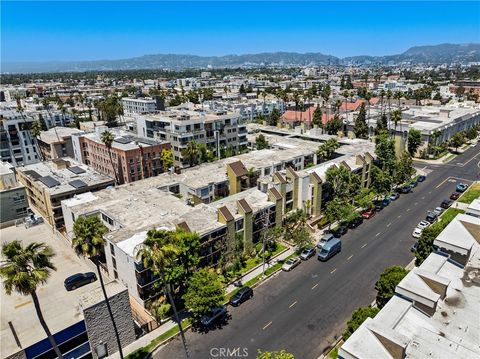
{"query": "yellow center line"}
(291, 305)
(333, 271)
(266, 326)
(315, 286)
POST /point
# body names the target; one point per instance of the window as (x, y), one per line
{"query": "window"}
(115, 274)
(114, 262)
(112, 249)
(239, 224)
(73, 217)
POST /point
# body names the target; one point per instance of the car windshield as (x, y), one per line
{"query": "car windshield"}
(324, 251)
(290, 261)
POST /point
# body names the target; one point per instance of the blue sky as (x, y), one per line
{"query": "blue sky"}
(45, 31)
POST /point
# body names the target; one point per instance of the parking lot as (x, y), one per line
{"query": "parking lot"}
(60, 308)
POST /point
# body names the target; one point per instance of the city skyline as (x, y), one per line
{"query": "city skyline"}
(69, 31)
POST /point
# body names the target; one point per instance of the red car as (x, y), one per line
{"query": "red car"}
(455, 196)
(368, 214)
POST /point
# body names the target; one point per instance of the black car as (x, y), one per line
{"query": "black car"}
(446, 203)
(241, 296)
(216, 314)
(406, 189)
(340, 231)
(354, 223)
(379, 205)
(431, 217)
(414, 183)
(78, 280)
(414, 247)
(421, 178)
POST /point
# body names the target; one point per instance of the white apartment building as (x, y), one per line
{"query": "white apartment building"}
(139, 105)
(217, 130)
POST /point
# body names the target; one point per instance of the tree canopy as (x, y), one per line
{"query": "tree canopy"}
(358, 317)
(387, 282)
(205, 291)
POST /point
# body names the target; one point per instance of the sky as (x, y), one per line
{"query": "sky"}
(91, 30)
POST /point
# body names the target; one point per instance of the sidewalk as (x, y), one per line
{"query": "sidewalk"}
(169, 324)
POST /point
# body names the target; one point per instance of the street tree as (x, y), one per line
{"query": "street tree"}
(337, 210)
(360, 128)
(387, 283)
(205, 291)
(404, 168)
(358, 317)
(396, 117)
(457, 140)
(88, 242)
(385, 151)
(23, 270)
(282, 354)
(414, 141)
(382, 182)
(471, 133)
(339, 180)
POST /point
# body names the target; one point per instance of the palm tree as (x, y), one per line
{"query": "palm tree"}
(398, 96)
(23, 269)
(396, 116)
(107, 139)
(368, 97)
(157, 252)
(88, 242)
(35, 130)
(191, 153)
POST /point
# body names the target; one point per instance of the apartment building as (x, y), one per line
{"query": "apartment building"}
(434, 311)
(57, 142)
(217, 130)
(141, 105)
(129, 159)
(13, 197)
(17, 145)
(48, 183)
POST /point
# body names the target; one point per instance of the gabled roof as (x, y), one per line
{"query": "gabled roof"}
(279, 177)
(316, 177)
(238, 168)
(275, 193)
(226, 213)
(183, 225)
(245, 206)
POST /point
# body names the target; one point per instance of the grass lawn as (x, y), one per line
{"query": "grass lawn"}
(449, 214)
(470, 194)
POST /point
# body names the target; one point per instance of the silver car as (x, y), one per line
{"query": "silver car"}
(290, 264)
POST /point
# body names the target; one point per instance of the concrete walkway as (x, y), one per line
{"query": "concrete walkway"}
(169, 324)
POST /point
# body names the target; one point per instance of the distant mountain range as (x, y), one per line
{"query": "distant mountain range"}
(436, 54)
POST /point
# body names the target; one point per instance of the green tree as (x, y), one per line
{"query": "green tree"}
(241, 90)
(274, 117)
(387, 282)
(396, 117)
(88, 242)
(334, 125)
(23, 270)
(166, 157)
(414, 141)
(158, 252)
(471, 133)
(191, 153)
(382, 182)
(282, 354)
(328, 148)
(385, 151)
(261, 142)
(382, 124)
(360, 128)
(107, 139)
(358, 317)
(43, 124)
(301, 237)
(404, 168)
(364, 199)
(339, 179)
(110, 109)
(317, 117)
(205, 291)
(457, 140)
(425, 242)
(338, 210)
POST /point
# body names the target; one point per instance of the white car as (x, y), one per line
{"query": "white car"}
(423, 224)
(290, 264)
(417, 232)
(473, 144)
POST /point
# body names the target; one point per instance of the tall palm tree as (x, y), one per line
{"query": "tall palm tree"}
(396, 116)
(398, 96)
(23, 269)
(35, 130)
(157, 252)
(191, 153)
(88, 242)
(368, 97)
(107, 139)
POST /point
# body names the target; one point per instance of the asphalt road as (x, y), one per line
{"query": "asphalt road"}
(305, 310)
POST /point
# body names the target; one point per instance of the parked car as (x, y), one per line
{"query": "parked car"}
(307, 253)
(454, 196)
(431, 217)
(473, 144)
(461, 187)
(417, 232)
(406, 189)
(379, 205)
(215, 315)
(421, 178)
(369, 213)
(413, 248)
(414, 183)
(340, 231)
(423, 224)
(329, 250)
(354, 223)
(78, 280)
(327, 237)
(386, 201)
(394, 196)
(446, 203)
(290, 264)
(241, 296)
(438, 210)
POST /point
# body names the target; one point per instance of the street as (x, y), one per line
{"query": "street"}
(306, 310)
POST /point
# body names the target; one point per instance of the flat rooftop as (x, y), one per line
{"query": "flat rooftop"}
(58, 134)
(56, 181)
(123, 140)
(60, 308)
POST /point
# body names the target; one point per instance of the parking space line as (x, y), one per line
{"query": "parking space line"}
(415, 203)
(408, 209)
(445, 180)
(333, 271)
(291, 305)
(364, 245)
(315, 286)
(399, 216)
(423, 197)
(266, 326)
(378, 234)
(388, 225)
(349, 257)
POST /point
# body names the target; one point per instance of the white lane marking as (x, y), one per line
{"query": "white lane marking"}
(349, 257)
(266, 326)
(333, 271)
(399, 216)
(364, 245)
(378, 234)
(291, 305)
(388, 225)
(408, 209)
(315, 286)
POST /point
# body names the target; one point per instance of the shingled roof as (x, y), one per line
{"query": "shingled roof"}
(226, 213)
(238, 168)
(245, 206)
